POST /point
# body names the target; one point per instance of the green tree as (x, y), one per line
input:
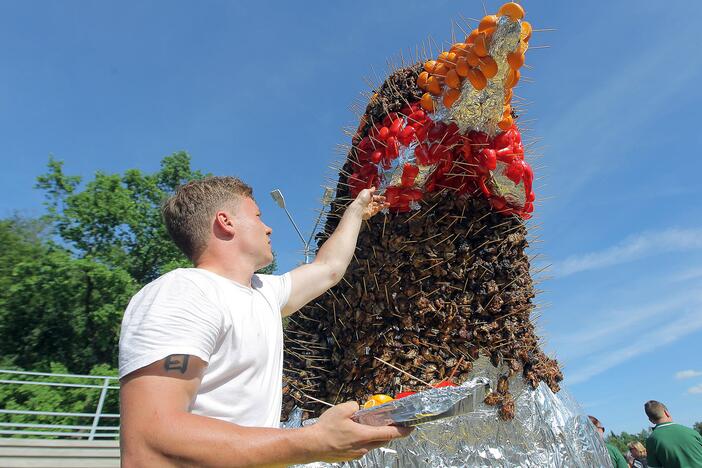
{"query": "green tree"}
(698, 427)
(621, 441)
(66, 278)
(115, 219)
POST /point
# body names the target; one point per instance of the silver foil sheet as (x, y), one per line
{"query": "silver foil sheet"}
(482, 110)
(548, 430)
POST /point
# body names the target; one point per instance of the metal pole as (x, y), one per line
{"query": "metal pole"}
(98, 412)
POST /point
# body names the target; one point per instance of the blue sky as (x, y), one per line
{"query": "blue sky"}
(262, 91)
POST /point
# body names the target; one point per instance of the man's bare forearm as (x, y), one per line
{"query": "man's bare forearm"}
(337, 251)
(193, 440)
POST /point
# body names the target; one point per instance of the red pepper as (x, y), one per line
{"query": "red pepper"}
(406, 135)
(396, 126)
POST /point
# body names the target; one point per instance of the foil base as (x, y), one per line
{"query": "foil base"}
(549, 430)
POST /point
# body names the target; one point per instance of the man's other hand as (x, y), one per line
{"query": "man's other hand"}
(342, 439)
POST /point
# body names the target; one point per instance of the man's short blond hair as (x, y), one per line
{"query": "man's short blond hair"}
(655, 410)
(189, 213)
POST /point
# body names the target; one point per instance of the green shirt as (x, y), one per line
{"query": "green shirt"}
(674, 446)
(617, 458)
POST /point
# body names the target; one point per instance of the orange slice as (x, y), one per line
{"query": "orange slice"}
(433, 85)
(451, 96)
(480, 46)
(471, 57)
(462, 67)
(525, 34)
(477, 79)
(427, 103)
(429, 66)
(422, 80)
(488, 22)
(515, 60)
(512, 78)
(513, 10)
(488, 66)
(471, 37)
(376, 400)
(505, 123)
(453, 80)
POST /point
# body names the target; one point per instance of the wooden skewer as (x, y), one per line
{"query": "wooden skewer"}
(404, 372)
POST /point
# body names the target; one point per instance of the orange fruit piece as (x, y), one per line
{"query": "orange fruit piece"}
(451, 96)
(505, 123)
(477, 79)
(459, 48)
(422, 80)
(508, 96)
(480, 46)
(376, 400)
(525, 33)
(441, 69)
(512, 78)
(451, 59)
(513, 10)
(488, 66)
(433, 85)
(471, 37)
(462, 67)
(427, 103)
(488, 22)
(507, 111)
(443, 57)
(471, 57)
(429, 66)
(515, 60)
(453, 80)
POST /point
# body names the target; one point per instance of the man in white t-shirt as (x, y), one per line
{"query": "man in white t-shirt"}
(201, 349)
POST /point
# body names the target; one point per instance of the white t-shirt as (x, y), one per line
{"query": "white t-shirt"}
(237, 330)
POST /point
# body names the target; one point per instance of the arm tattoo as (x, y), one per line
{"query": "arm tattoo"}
(177, 362)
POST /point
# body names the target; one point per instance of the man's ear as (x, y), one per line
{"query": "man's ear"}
(224, 223)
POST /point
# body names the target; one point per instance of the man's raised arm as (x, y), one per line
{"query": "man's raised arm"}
(327, 269)
(157, 429)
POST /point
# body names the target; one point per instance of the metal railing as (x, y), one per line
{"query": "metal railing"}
(91, 430)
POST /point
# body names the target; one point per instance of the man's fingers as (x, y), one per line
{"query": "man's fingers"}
(347, 409)
(386, 433)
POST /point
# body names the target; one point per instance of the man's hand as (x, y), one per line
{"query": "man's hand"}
(327, 269)
(343, 439)
(369, 203)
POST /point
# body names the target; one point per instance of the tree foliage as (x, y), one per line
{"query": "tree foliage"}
(66, 278)
(621, 441)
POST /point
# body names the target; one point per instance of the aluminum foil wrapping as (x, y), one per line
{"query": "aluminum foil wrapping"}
(482, 110)
(548, 430)
(503, 186)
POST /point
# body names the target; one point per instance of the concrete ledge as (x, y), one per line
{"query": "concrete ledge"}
(40, 453)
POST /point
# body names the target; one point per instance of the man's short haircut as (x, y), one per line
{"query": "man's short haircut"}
(655, 410)
(189, 213)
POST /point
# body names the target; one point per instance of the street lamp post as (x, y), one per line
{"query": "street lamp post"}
(277, 195)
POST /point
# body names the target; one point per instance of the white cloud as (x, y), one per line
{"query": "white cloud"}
(687, 374)
(695, 389)
(684, 325)
(633, 248)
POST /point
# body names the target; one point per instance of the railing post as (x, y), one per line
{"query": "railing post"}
(98, 412)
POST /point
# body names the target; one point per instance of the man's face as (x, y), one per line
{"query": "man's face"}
(253, 234)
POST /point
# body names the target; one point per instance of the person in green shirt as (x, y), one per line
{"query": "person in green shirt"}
(671, 445)
(618, 460)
